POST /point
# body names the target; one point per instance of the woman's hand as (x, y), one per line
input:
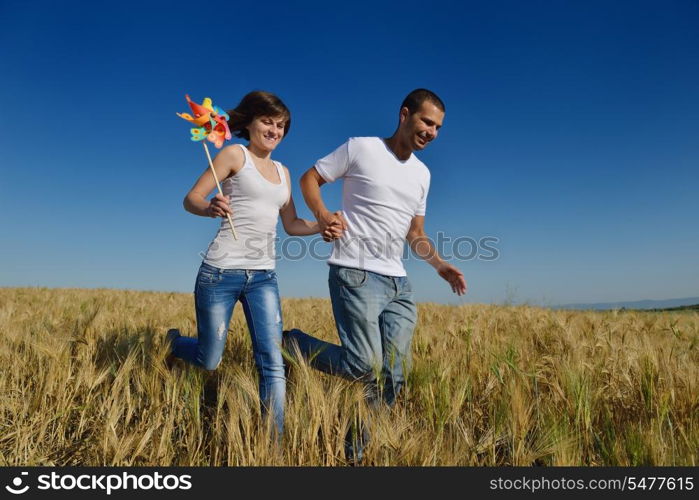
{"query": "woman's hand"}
(219, 206)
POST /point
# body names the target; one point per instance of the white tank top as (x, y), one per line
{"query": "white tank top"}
(255, 203)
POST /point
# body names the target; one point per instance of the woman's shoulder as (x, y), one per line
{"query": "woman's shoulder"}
(281, 166)
(233, 156)
(285, 169)
(233, 151)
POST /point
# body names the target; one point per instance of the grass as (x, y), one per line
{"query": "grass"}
(83, 383)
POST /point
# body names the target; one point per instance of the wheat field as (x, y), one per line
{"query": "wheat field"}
(84, 383)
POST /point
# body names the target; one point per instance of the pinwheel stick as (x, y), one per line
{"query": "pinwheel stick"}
(218, 185)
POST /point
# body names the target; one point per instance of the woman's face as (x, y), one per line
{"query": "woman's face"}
(266, 131)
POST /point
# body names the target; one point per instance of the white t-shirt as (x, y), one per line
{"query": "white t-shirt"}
(380, 196)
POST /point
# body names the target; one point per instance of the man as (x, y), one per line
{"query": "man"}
(383, 204)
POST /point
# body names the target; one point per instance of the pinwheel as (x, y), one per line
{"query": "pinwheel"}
(212, 125)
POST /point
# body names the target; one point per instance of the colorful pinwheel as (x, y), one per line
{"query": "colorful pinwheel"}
(212, 121)
(212, 124)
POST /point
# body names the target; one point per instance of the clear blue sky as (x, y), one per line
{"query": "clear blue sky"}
(571, 135)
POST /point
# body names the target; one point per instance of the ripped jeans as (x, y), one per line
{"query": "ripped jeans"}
(215, 294)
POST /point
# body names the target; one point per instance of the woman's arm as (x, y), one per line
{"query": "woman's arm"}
(227, 162)
(290, 220)
(295, 226)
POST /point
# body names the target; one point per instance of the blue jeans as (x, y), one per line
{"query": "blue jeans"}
(215, 293)
(375, 317)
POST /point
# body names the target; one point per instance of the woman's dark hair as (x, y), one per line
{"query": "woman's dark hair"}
(257, 103)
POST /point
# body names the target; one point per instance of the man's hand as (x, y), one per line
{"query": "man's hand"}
(454, 277)
(332, 225)
(423, 248)
(219, 206)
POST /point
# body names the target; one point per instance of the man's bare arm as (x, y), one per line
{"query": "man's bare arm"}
(310, 187)
(422, 246)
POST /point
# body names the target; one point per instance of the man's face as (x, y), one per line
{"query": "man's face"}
(421, 127)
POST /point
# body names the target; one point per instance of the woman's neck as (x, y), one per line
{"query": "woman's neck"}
(260, 153)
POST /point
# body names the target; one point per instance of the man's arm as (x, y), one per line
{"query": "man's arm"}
(310, 187)
(422, 246)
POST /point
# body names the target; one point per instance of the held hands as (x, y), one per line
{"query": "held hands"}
(332, 225)
(454, 277)
(219, 206)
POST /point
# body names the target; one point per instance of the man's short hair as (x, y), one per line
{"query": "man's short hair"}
(414, 100)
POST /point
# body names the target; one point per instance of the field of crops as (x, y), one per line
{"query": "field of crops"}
(83, 382)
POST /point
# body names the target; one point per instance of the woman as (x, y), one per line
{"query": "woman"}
(256, 191)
